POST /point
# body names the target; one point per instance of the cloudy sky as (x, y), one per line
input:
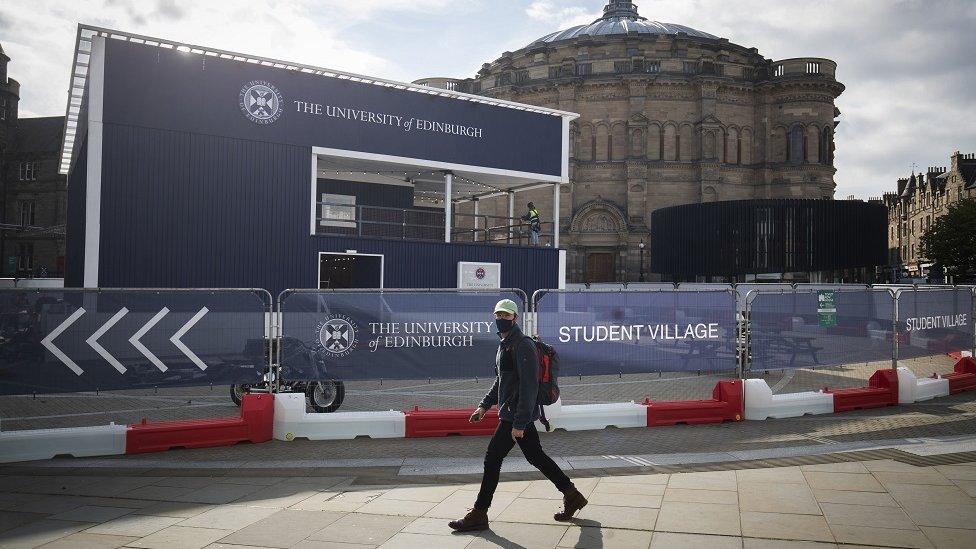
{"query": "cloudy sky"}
(909, 65)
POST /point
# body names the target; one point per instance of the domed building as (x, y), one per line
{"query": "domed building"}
(669, 115)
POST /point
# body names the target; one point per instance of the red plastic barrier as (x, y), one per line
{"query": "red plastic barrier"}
(964, 376)
(254, 425)
(882, 390)
(726, 404)
(442, 423)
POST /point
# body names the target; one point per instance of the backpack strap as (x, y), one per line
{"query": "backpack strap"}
(543, 419)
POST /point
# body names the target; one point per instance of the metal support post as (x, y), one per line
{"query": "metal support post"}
(972, 293)
(448, 182)
(894, 330)
(476, 218)
(511, 213)
(555, 215)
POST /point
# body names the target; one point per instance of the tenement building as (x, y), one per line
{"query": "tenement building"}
(669, 115)
(921, 199)
(32, 193)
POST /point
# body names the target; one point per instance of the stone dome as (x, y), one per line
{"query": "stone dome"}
(620, 17)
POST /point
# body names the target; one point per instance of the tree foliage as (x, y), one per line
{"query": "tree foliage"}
(951, 240)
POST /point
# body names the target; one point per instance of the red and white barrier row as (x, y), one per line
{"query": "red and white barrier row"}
(284, 417)
(253, 425)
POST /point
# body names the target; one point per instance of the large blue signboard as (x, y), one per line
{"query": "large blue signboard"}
(818, 328)
(154, 87)
(390, 335)
(621, 332)
(934, 322)
(88, 340)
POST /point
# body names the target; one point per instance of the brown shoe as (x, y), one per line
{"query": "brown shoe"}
(476, 519)
(573, 501)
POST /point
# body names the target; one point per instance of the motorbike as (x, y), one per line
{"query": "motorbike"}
(323, 394)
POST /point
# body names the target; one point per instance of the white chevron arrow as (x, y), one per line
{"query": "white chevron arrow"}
(93, 340)
(134, 340)
(182, 331)
(48, 342)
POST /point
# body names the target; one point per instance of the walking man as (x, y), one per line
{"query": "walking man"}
(515, 391)
(535, 224)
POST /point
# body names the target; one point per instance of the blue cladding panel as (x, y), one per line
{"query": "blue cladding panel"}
(160, 88)
(189, 210)
(74, 276)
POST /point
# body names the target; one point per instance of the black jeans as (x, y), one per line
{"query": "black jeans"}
(501, 443)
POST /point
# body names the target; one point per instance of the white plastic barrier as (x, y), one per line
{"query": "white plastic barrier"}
(761, 403)
(582, 417)
(291, 421)
(104, 440)
(912, 389)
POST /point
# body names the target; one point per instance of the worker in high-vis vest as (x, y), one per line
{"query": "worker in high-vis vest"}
(535, 224)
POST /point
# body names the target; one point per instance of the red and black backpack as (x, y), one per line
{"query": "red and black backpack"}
(548, 378)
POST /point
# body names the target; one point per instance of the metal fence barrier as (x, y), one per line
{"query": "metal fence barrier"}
(73, 357)
(933, 322)
(632, 344)
(806, 339)
(393, 349)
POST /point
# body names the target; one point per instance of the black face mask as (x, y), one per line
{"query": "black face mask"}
(504, 325)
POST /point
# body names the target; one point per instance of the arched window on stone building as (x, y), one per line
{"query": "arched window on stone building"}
(827, 147)
(746, 148)
(795, 145)
(780, 145)
(618, 143)
(637, 143)
(709, 145)
(670, 142)
(732, 149)
(602, 143)
(655, 144)
(813, 145)
(585, 149)
(686, 143)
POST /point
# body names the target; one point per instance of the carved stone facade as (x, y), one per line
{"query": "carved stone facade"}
(668, 116)
(920, 201)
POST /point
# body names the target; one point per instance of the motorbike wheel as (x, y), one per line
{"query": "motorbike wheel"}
(325, 396)
(237, 392)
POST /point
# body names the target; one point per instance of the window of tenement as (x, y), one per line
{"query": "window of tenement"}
(28, 171)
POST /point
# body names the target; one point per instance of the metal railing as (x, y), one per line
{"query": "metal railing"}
(427, 225)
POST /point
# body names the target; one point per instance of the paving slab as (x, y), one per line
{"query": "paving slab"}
(134, 525)
(785, 526)
(282, 529)
(669, 540)
(180, 536)
(38, 533)
(361, 528)
(699, 518)
(588, 537)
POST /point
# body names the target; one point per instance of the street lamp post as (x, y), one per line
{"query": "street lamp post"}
(641, 246)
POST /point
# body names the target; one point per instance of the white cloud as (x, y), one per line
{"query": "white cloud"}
(907, 64)
(567, 16)
(39, 37)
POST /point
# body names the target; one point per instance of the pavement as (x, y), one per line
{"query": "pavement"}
(902, 476)
(876, 503)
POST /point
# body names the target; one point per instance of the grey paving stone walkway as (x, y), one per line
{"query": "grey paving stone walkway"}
(877, 503)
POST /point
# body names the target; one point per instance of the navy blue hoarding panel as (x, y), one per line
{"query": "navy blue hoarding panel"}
(934, 322)
(68, 341)
(810, 329)
(159, 88)
(389, 335)
(74, 267)
(186, 210)
(601, 333)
